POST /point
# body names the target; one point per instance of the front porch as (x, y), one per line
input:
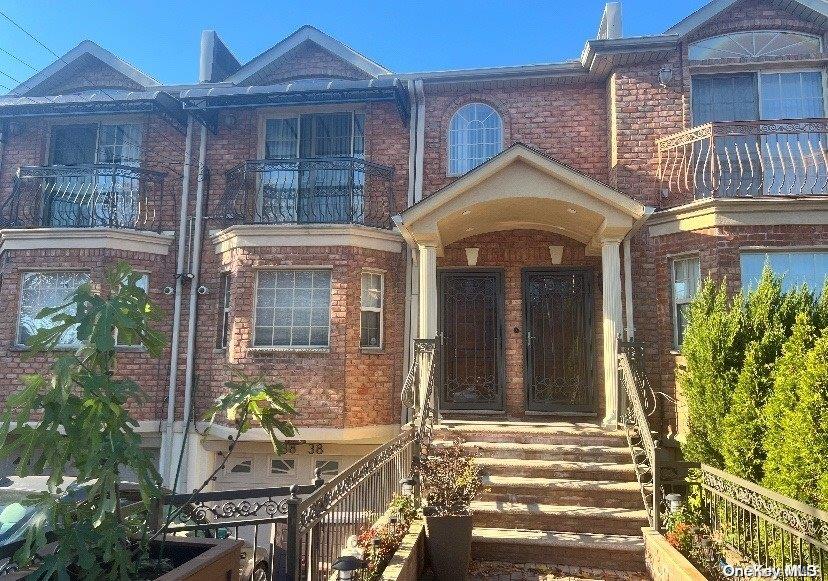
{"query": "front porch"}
(520, 281)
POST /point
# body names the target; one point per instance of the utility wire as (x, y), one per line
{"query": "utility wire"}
(18, 59)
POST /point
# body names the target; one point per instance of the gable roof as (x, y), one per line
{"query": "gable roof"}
(86, 47)
(304, 34)
(815, 10)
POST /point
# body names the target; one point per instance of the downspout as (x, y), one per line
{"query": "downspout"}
(195, 269)
(167, 438)
(628, 294)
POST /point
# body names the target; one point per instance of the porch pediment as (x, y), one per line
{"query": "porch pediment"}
(522, 189)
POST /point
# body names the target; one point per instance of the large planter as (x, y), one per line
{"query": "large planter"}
(664, 562)
(448, 539)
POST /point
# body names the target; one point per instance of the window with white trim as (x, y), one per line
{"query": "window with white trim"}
(40, 290)
(373, 287)
(327, 467)
(755, 44)
(796, 267)
(142, 283)
(475, 135)
(283, 466)
(223, 334)
(293, 308)
(236, 466)
(686, 275)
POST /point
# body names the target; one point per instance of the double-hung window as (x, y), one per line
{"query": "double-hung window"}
(295, 187)
(293, 309)
(40, 290)
(104, 196)
(371, 313)
(796, 267)
(223, 335)
(686, 276)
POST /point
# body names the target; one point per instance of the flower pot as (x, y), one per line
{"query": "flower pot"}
(448, 539)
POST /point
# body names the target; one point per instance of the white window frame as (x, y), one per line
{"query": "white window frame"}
(760, 31)
(380, 309)
(326, 346)
(98, 123)
(223, 339)
(18, 341)
(674, 301)
(449, 171)
(289, 474)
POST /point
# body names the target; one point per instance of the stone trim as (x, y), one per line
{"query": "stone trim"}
(377, 434)
(715, 212)
(84, 238)
(357, 236)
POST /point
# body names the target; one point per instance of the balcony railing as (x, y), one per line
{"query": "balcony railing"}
(84, 196)
(746, 158)
(308, 191)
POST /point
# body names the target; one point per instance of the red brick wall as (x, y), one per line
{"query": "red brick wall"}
(512, 251)
(306, 61)
(753, 15)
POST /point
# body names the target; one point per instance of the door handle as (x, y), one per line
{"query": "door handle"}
(529, 338)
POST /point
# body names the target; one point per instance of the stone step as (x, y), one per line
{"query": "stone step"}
(573, 452)
(622, 552)
(550, 517)
(562, 491)
(529, 433)
(557, 469)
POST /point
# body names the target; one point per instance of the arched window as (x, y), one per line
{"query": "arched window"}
(475, 135)
(755, 44)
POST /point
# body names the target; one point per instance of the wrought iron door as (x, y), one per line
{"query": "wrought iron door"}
(558, 340)
(470, 330)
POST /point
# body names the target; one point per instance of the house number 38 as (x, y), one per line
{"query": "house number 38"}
(316, 449)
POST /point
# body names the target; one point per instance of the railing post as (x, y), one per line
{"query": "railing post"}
(294, 547)
(656, 472)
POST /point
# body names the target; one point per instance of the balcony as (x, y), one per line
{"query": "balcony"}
(745, 159)
(341, 190)
(85, 196)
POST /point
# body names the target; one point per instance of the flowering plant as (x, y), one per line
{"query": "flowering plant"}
(451, 480)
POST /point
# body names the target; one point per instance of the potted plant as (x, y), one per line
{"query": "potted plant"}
(451, 480)
(77, 419)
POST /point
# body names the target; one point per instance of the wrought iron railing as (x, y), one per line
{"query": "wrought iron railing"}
(330, 190)
(85, 196)
(764, 527)
(746, 158)
(321, 525)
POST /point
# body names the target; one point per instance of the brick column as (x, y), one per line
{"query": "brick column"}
(611, 270)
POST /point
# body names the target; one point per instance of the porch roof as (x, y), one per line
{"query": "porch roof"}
(522, 188)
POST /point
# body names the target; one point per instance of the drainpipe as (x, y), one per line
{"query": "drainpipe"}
(194, 278)
(167, 437)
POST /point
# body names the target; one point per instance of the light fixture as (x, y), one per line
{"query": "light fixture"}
(471, 256)
(665, 75)
(674, 501)
(347, 565)
(556, 254)
(407, 486)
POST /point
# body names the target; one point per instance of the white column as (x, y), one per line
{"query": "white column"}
(427, 328)
(611, 270)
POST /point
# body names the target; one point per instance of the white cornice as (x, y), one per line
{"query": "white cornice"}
(715, 212)
(316, 235)
(376, 434)
(108, 238)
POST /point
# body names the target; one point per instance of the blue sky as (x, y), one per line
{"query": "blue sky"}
(162, 37)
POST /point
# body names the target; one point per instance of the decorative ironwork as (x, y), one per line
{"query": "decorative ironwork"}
(559, 340)
(86, 196)
(341, 190)
(746, 158)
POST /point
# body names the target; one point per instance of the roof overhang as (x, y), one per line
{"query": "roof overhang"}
(522, 189)
(815, 11)
(601, 56)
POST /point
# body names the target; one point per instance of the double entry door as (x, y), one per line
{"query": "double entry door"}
(555, 338)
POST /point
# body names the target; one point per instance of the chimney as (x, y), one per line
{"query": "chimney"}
(610, 26)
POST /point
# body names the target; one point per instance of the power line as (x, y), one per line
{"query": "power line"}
(18, 59)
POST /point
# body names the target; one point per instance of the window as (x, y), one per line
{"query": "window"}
(475, 136)
(755, 44)
(686, 278)
(282, 467)
(142, 283)
(224, 311)
(372, 303)
(327, 467)
(795, 267)
(292, 308)
(47, 289)
(239, 466)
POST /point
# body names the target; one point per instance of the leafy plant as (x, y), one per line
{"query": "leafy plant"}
(451, 480)
(380, 541)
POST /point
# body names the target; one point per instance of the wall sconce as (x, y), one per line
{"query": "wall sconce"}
(556, 254)
(665, 75)
(471, 256)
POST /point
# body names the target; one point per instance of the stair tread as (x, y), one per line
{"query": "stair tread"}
(597, 541)
(556, 464)
(541, 483)
(523, 428)
(491, 506)
(551, 449)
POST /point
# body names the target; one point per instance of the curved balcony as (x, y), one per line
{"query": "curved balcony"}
(341, 190)
(745, 158)
(84, 196)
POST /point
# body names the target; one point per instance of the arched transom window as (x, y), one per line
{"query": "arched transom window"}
(475, 135)
(755, 44)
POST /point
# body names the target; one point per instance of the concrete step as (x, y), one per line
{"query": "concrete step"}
(529, 433)
(557, 469)
(573, 452)
(551, 517)
(622, 552)
(562, 491)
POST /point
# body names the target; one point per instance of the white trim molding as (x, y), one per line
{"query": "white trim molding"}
(82, 238)
(716, 212)
(300, 235)
(376, 434)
